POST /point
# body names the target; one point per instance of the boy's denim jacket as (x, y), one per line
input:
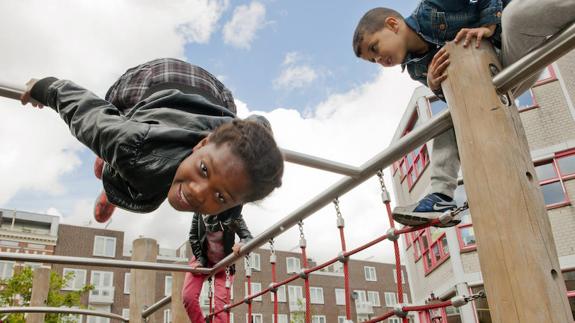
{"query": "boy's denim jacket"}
(438, 21)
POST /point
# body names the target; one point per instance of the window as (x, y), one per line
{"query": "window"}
(281, 294)
(552, 175)
(373, 298)
(466, 236)
(411, 166)
(104, 246)
(316, 295)
(296, 299)
(402, 277)
(168, 286)
(126, 313)
(98, 319)
(255, 261)
(256, 318)
(405, 299)
(341, 319)
(103, 282)
(231, 317)
(293, 265)
(77, 278)
(318, 319)
(525, 101)
(436, 106)
(390, 299)
(6, 269)
(393, 320)
(167, 316)
(256, 288)
(127, 283)
(340, 296)
(431, 244)
(369, 273)
(547, 75)
(282, 318)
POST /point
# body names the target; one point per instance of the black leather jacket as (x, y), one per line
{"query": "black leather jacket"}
(230, 222)
(142, 149)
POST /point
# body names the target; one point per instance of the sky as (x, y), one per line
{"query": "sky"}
(288, 60)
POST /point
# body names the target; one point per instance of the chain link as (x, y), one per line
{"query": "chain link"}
(301, 235)
(272, 249)
(337, 210)
(381, 182)
(480, 294)
(248, 265)
(460, 209)
(210, 287)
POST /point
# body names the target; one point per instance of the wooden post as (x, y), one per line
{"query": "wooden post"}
(142, 282)
(178, 310)
(40, 288)
(519, 263)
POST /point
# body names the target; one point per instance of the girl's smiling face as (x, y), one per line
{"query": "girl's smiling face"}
(209, 181)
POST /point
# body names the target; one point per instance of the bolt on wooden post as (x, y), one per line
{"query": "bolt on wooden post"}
(142, 282)
(519, 263)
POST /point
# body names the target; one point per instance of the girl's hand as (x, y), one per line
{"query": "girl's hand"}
(479, 33)
(236, 248)
(26, 98)
(436, 71)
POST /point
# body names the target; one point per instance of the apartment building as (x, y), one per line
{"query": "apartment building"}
(444, 261)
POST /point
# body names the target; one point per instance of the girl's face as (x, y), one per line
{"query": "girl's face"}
(209, 181)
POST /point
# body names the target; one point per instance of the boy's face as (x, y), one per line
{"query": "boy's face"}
(209, 181)
(386, 46)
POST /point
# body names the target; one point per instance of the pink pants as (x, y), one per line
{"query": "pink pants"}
(191, 296)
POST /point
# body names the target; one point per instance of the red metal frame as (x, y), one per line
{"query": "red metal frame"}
(462, 246)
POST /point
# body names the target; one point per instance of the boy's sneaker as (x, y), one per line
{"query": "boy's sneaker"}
(103, 209)
(429, 208)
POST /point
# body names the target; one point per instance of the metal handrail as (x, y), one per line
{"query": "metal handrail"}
(156, 306)
(60, 310)
(67, 260)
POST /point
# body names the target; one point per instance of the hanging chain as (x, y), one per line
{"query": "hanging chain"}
(337, 210)
(385, 198)
(480, 294)
(248, 265)
(272, 249)
(228, 279)
(460, 209)
(301, 235)
(210, 288)
(381, 182)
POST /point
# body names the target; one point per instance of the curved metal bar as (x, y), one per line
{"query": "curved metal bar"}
(395, 151)
(555, 47)
(319, 163)
(66, 260)
(156, 306)
(62, 310)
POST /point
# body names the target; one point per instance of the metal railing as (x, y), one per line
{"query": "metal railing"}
(61, 310)
(156, 306)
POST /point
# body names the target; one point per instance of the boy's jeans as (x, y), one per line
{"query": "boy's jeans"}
(525, 25)
(191, 296)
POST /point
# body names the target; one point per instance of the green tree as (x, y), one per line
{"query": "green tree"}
(17, 291)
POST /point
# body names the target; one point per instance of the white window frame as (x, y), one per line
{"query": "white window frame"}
(4, 272)
(296, 263)
(258, 315)
(168, 282)
(405, 299)
(393, 320)
(255, 263)
(390, 299)
(104, 240)
(313, 298)
(127, 282)
(256, 288)
(126, 313)
(102, 272)
(368, 271)
(282, 318)
(372, 296)
(341, 319)
(318, 319)
(231, 317)
(281, 294)
(167, 316)
(65, 271)
(339, 300)
(403, 281)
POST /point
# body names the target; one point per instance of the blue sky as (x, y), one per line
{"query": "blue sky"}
(291, 61)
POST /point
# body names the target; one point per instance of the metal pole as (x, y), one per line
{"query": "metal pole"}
(555, 47)
(66, 260)
(395, 151)
(61, 310)
(156, 306)
(319, 163)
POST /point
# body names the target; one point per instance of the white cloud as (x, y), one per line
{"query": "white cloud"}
(241, 30)
(91, 42)
(295, 77)
(292, 58)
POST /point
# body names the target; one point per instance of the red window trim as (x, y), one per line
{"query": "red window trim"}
(558, 178)
(419, 255)
(420, 155)
(462, 247)
(551, 78)
(535, 104)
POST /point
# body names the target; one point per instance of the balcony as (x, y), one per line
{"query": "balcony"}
(363, 308)
(297, 305)
(102, 295)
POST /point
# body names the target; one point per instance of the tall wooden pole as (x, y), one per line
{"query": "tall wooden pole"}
(519, 263)
(142, 282)
(40, 288)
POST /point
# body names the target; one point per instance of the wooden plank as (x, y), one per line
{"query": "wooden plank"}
(40, 288)
(142, 282)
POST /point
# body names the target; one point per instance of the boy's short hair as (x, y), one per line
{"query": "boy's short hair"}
(372, 21)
